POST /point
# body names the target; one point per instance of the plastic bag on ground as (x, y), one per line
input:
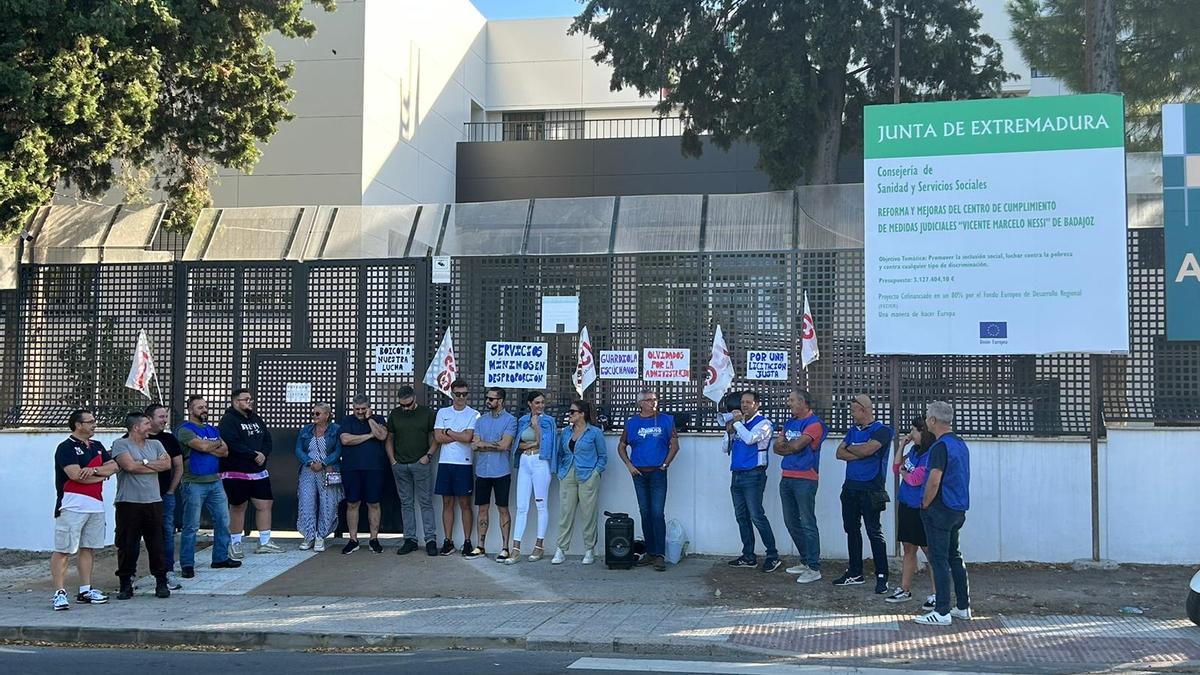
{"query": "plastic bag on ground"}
(676, 541)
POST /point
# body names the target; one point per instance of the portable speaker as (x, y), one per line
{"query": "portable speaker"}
(618, 541)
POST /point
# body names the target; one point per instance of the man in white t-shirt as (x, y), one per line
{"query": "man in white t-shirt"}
(453, 431)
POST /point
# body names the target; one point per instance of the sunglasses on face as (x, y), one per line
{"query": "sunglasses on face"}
(460, 394)
(572, 411)
(409, 406)
(494, 398)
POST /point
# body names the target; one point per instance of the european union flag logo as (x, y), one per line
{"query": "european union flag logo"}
(993, 329)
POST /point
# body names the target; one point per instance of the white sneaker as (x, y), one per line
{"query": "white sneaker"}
(60, 601)
(319, 544)
(560, 556)
(306, 545)
(933, 619)
(964, 614)
(269, 547)
(235, 551)
(808, 576)
(173, 582)
(796, 569)
(588, 558)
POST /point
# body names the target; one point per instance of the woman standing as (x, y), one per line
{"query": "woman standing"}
(535, 461)
(913, 470)
(320, 490)
(582, 455)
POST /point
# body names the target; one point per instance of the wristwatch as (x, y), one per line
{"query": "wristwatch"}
(145, 462)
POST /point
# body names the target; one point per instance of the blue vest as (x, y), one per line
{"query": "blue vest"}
(649, 439)
(202, 463)
(810, 457)
(868, 469)
(918, 467)
(956, 479)
(743, 456)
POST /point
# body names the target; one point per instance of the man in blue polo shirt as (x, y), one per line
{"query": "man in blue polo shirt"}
(865, 449)
(364, 468)
(943, 512)
(748, 456)
(651, 436)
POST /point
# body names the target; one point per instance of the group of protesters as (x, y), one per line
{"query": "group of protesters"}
(220, 469)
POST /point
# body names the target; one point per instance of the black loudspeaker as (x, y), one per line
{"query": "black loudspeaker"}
(618, 541)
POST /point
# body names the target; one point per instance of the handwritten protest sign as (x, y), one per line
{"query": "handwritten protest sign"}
(619, 365)
(666, 365)
(518, 365)
(763, 365)
(393, 359)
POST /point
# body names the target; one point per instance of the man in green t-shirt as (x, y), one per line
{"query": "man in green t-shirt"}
(410, 448)
(202, 448)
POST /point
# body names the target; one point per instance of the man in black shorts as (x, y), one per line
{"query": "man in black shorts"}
(244, 472)
(494, 434)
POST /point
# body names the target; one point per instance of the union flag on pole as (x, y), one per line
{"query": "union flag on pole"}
(443, 370)
(585, 368)
(142, 369)
(720, 369)
(808, 336)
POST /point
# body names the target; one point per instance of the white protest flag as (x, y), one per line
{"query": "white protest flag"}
(720, 369)
(141, 371)
(585, 368)
(443, 370)
(808, 335)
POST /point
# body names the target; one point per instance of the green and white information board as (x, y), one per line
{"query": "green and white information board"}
(996, 226)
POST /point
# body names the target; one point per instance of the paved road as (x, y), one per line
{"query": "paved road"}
(57, 661)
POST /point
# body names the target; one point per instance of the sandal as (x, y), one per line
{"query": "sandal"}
(537, 554)
(513, 558)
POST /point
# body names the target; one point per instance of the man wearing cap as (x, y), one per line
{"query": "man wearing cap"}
(865, 450)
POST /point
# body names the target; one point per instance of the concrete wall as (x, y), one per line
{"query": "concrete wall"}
(1029, 497)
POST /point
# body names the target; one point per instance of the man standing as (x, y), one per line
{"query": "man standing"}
(202, 452)
(168, 483)
(81, 465)
(139, 504)
(244, 472)
(409, 447)
(654, 443)
(800, 444)
(494, 434)
(865, 450)
(943, 512)
(454, 429)
(748, 458)
(363, 464)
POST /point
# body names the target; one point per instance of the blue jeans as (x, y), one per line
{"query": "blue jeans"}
(747, 488)
(210, 496)
(168, 527)
(858, 512)
(799, 497)
(651, 490)
(941, 531)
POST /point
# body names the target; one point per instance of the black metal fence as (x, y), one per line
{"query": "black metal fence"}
(68, 335)
(567, 130)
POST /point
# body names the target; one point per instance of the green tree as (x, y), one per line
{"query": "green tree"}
(166, 87)
(1157, 53)
(790, 75)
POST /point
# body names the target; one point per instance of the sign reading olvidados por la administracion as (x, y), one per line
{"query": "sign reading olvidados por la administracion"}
(996, 226)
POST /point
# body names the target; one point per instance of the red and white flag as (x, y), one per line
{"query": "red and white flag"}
(585, 367)
(720, 369)
(142, 369)
(808, 336)
(443, 370)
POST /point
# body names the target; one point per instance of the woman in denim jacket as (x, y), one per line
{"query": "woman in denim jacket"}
(582, 456)
(534, 461)
(318, 451)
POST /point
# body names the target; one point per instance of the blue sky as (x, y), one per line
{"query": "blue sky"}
(525, 9)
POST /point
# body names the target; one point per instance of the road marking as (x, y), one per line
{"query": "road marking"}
(728, 668)
(12, 650)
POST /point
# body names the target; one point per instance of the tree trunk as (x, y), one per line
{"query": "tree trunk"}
(1101, 46)
(822, 168)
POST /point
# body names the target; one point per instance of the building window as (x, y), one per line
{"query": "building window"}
(543, 125)
(1034, 73)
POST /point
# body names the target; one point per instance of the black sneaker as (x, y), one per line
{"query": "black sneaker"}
(230, 564)
(881, 585)
(407, 547)
(188, 572)
(376, 547)
(771, 564)
(126, 591)
(447, 547)
(930, 604)
(350, 547)
(161, 590)
(474, 553)
(467, 548)
(431, 548)
(743, 561)
(848, 579)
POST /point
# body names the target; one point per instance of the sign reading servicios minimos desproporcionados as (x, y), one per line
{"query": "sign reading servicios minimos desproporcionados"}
(996, 226)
